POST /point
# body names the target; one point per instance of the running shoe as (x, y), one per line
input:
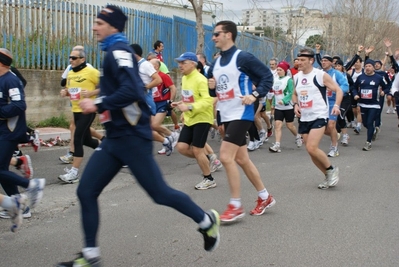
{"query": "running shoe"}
(169, 146)
(211, 235)
(375, 134)
(262, 136)
(345, 139)
(162, 151)
(270, 131)
(80, 261)
(67, 158)
(367, 146)
(26, 214)
(232, 214)
(212, 132)
(262, 205)
(26, 167)
(275, 148)
(333, 152)
(36, 141)
(298, 141)
(35, 191)
(332, 178)
(215, 165)
(357, 130)
(175, 136)
(205, 184)
(19, 203)
(69, 177)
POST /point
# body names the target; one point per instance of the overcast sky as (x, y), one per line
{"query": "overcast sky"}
(232, 8)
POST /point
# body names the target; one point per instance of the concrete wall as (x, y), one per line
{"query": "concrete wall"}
(43, 94)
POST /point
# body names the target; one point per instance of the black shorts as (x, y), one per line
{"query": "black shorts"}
(195, 135)
(235, 131)
(288, 115)
(353, 101)
(306, 126)
(263, 107)
(218, 119)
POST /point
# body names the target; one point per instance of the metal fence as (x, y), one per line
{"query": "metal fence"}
(41, 34)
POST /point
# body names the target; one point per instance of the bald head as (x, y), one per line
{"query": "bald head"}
(156, 63)
(78, 47)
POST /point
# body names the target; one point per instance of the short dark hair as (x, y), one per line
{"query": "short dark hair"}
(157, 43)
(137, 49)
(228, 26)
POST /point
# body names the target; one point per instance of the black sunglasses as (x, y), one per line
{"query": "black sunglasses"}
(74, 58)
(216, 34)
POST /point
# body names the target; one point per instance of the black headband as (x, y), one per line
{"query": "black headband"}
(4, 59)
(328, 58)
(305, 55)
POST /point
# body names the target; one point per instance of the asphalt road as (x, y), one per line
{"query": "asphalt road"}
(353, 224)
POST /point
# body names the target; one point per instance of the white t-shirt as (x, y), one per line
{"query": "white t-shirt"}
(146, 70)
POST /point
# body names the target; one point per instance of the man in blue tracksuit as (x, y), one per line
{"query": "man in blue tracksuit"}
(378, 70)
(339, 78)
(126, 117)
(367, 92)
(13, 131)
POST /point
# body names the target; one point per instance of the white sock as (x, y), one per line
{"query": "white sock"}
(359, 124)
(7, 203)
(263, 194)
(236, 202)
(206, 222)
(90, 253)
(277, 143)
(298, 136)
(165, 141)
(74, 170)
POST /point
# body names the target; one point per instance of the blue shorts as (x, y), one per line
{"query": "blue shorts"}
(306, 126)
(331, 117)
(150, 102)
(161, 106)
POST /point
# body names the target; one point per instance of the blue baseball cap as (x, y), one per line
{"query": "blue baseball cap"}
(187, 56)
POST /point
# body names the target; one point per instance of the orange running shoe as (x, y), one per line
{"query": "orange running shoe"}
(262, 205)
(232, 213)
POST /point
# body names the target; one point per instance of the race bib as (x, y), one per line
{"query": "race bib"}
(366, 93)
(105, 117)
(223, 90)
(278, 92)
(74, 93)
(187, 96)
(305, 101)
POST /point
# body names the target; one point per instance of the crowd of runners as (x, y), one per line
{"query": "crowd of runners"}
(235, 98)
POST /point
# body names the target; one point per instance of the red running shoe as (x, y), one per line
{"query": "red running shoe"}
(232, 213)
(26, 167)
(262, 205)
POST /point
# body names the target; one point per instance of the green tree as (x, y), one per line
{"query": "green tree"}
(274, 33)
(315, 39)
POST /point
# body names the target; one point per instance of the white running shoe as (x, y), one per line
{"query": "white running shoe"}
(215, 165)
(345, 139)
(35, 191)
(69, 177)
(162, 151)
(205, 184)
(333, 152)
(275, 148)
(251, 146)
(262, 136)
(16, 211)
(299, 141)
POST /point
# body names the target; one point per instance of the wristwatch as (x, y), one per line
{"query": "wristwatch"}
(255, 94)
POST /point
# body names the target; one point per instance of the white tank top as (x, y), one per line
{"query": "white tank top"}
(279, 86)
(231, 84)
(356, 74)
(311, 99)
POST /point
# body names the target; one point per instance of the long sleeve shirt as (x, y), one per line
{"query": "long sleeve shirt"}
(367, 88)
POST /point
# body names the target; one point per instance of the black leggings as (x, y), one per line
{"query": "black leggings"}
(253, 131)
(82, 134)
(345, 107)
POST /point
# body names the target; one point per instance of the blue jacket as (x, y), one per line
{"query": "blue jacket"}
(122, 94)
(12, 109)
(341, 80)
(247, 63)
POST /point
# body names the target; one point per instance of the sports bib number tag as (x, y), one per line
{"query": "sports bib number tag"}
(278, 92)
(155, 92)
(74, 93)
(105, 117)
(187, 96)
(305, 101)
(366, 93)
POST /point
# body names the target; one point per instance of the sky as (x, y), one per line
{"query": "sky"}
(232, 8)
